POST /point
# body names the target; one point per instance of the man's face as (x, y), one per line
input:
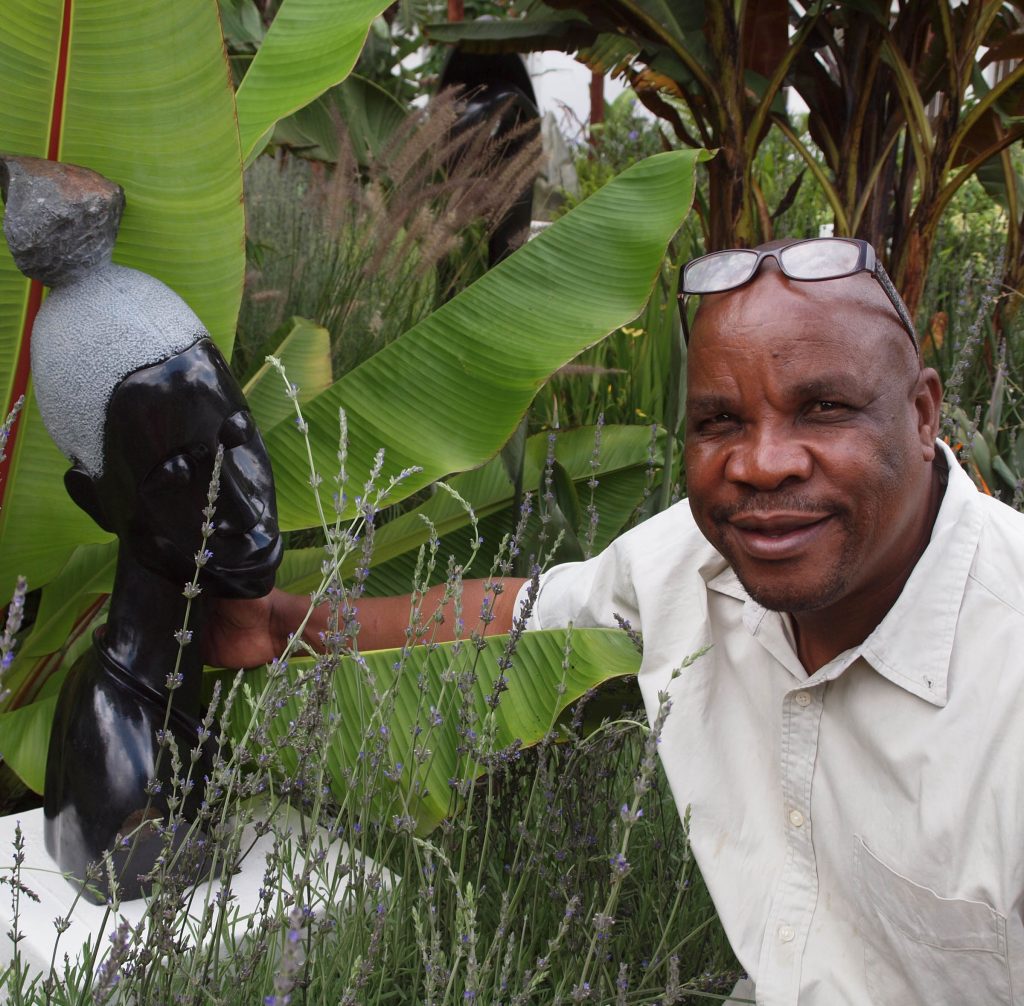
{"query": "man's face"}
(164, 425)
(809, 439)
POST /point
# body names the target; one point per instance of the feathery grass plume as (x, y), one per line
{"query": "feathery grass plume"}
(368, 254)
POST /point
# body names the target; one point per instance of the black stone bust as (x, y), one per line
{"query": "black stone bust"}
(169, 404)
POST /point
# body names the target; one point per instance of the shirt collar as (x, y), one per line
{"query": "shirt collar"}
(912, 645)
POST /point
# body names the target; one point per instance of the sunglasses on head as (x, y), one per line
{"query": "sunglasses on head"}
(805, 261)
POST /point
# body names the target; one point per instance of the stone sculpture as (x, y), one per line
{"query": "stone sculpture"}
(138, 397)
(498, 91)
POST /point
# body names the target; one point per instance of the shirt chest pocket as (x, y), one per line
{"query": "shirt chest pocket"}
(923, 948)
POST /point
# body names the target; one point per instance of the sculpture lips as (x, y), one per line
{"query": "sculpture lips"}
(777, 536)
(239, 556)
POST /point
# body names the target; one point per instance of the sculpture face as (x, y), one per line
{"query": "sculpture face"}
(164, 424)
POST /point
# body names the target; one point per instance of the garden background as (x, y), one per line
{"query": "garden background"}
(295, 171)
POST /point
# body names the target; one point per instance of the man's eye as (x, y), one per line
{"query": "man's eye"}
(827, 405)
(175, 473)
(237, 429)
(718, 421)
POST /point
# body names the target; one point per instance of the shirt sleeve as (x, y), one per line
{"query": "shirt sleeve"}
(588, 594)
(651, 572)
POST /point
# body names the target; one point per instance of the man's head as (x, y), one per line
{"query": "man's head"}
(163, 427)
(810, 438)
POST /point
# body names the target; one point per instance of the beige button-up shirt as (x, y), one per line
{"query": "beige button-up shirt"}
(861, 830)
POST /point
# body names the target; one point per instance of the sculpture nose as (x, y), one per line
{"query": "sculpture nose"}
(239, 515)
(242, 500)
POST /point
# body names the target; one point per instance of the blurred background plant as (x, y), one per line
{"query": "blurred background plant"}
(367, 251)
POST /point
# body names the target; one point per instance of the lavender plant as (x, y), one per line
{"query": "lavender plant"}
(557, 873)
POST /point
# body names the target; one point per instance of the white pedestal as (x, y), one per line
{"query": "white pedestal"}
(92, 924)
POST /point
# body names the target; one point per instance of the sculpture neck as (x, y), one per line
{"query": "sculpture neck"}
(146, 611)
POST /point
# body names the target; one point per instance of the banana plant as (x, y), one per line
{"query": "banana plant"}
(900, 113)
(410, 732)
(445, 396)
(712, 71)
(902, 116)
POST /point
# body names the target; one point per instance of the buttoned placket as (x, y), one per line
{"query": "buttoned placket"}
(796, 891)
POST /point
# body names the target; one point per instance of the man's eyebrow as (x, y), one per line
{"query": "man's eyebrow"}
(710, 404)
(832, 386)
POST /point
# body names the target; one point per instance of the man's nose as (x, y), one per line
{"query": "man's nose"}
(767, 458)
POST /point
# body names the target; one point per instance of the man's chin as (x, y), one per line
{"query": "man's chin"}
(792, 598)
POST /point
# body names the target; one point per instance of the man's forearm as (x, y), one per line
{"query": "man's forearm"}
(385, 622)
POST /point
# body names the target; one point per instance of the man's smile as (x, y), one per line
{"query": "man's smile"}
(778, 535)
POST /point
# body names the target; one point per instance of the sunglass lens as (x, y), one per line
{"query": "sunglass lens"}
(719, 271)
(820, 259)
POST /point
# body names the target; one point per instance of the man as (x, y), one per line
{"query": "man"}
(847, 745)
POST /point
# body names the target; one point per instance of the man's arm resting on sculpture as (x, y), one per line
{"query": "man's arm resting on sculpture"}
(252, 632)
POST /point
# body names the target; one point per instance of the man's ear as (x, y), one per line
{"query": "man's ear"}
(81, 487)
(928, 403)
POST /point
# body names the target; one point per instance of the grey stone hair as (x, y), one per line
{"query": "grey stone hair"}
(101, 322)
(89, 335)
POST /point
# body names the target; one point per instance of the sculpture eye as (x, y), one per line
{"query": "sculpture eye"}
(237, 429)
(175, 473)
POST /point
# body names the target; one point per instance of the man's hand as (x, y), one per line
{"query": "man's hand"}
(242, 633)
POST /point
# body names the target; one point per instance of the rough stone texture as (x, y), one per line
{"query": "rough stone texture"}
(61, 220)
(89, 335)
(101, 322)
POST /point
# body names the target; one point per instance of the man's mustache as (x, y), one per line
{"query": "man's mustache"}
(764, 504)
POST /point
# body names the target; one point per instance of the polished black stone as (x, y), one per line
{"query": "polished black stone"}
(164, 426)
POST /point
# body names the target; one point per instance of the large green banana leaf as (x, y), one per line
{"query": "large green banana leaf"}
(371, 763)
(139, 92)
(306, 354)
(450, 392)
(311, 45)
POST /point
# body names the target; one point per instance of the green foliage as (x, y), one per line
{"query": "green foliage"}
(608, 470)
(127, 114)
(625, 137)
(465, 374)
(490, 349)
(371, 246)
(310, 46)
(423, 699)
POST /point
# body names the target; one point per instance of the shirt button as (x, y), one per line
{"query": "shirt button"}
(803, 699)
(796, 818)
(786, 934)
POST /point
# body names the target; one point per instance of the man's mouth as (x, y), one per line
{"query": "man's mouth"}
(779, 535)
